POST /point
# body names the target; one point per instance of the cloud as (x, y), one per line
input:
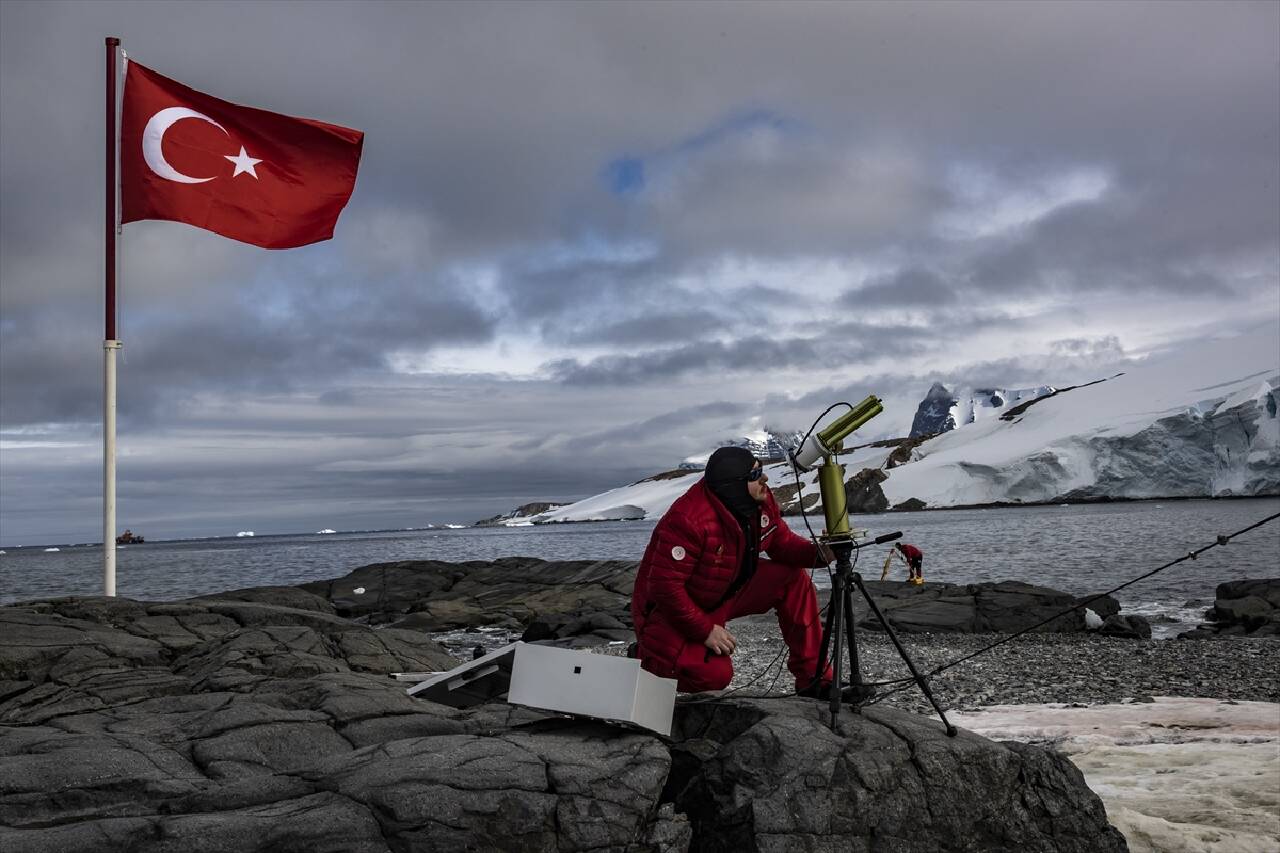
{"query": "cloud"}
(909, 287)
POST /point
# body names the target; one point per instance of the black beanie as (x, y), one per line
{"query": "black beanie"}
(726, 477)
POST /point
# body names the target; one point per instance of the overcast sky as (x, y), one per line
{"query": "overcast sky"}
(589, 240)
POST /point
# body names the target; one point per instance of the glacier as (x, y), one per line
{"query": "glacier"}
(1200, 421)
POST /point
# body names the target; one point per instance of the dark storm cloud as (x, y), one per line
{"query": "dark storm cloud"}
(847, 342)
(911, 287)
(1126, 247)
(652, 329)
(246, 339)
(704, 357)
(668, 422)
(572, 285)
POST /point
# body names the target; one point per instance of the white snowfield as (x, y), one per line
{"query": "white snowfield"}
(1176, 775)
(1194, 423)
(1198, 422)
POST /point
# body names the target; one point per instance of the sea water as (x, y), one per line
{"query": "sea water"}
(1081, 549)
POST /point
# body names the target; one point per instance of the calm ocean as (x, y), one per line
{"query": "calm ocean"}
(1079, 549)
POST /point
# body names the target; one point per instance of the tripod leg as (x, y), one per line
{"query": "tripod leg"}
(837, 611)
(850, 627)
(920, 680)
(826, 634)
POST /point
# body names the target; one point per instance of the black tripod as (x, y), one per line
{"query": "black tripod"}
(840, 612)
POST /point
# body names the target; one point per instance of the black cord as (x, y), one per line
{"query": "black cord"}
(1190, 555)
(907, 682)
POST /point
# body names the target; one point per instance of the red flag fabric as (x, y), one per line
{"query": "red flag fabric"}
(259, 177)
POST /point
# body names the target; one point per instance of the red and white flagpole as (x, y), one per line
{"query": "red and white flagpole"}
(110, 344)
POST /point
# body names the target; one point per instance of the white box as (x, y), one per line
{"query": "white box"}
(554, 679)
(576, 682)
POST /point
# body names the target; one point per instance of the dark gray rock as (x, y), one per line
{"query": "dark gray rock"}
(1104, 605)
(234, 725)
(772, 775)
(1002, 607)
(1130, 627)
(578, 630)
(1242, 608)
(427, 595)
(863, 492)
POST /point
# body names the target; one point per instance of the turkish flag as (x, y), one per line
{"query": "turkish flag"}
(263, 178)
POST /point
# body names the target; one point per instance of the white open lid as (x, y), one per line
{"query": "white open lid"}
(473, 683)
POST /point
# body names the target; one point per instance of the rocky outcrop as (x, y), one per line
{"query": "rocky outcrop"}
(521, 512)
(1243, 608)
(1001, 608)
(231, 725)
(1131, 627)
(934, 415)
(429, 595)
(776, 775)
(864, 494)
(581, 603)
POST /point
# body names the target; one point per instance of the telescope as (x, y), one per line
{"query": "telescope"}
(823, 447)
(820, 451)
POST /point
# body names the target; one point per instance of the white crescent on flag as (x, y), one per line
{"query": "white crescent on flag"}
(153, 139)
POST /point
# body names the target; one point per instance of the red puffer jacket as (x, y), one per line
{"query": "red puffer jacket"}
(692, 558)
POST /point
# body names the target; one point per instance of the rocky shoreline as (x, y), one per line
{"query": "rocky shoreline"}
(268, 719)
(1034, 668)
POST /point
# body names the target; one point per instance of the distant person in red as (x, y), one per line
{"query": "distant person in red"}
(704, 567)
(914, 559)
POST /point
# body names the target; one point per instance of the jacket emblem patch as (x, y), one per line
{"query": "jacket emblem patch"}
(677, 553)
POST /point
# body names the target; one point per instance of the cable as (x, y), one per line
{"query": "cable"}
(1190, 555)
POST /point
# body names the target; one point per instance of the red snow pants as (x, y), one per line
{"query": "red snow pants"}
(789, 592)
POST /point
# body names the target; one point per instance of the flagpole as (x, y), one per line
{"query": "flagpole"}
(110, 345)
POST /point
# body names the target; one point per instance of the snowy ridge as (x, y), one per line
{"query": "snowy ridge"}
(763, 444)
(1198, 422)
(943, 411)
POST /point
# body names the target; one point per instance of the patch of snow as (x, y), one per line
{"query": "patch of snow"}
(325, 531)
(245, 533)
(1176, 775)
(52, 550)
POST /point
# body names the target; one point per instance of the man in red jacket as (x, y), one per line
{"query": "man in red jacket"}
(703, 567)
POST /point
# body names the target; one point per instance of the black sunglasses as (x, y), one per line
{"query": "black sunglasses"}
(755, 474)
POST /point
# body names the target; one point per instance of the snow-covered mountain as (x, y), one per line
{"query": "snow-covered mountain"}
(942, 411)
(1198, 422)
(763, 444)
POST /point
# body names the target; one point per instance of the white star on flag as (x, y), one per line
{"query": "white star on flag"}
(244, 163)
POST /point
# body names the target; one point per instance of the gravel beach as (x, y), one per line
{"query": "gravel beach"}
(1033, 668)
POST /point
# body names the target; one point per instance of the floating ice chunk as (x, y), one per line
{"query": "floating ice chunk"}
(52, 550)
(326, 530)
(245, 533)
